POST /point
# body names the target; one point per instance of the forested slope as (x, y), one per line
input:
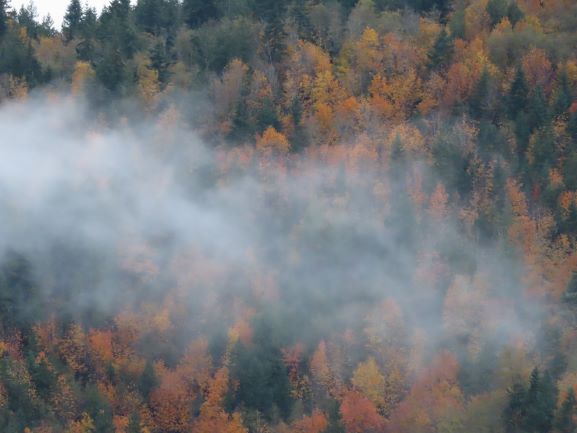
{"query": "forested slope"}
(295, 216)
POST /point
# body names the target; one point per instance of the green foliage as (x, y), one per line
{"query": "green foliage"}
(3, 17)
(517, 99)
(148, 380)
(497, 10)
(514, 13)
(72, 20)
(441, 54)
(216, 44)
(198, 12)
(565, 421)
(263, 383)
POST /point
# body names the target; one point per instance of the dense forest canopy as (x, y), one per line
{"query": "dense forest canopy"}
(306, 216)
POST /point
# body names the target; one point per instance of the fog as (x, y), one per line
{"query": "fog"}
(112, 217)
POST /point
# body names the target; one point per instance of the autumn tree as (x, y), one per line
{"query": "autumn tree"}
(359, 414)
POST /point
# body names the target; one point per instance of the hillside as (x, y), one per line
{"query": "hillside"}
(306, 216)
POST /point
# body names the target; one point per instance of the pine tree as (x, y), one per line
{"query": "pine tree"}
(72, 20)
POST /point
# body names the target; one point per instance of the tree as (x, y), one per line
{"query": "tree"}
(514, 13)
(540, 404)
(148, 14)
(564, 95)
(497, 10)
(571, 291)
(441, 54)
(517, 99)
(359, 414)
(272, 13)
(72, 20)
(480, 100)
(514, 413)
(3, 17)
(198, 12)
(538, 109)
(370, 382)
(565, 422)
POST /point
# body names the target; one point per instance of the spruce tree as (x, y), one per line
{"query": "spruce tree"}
(72, 20)
(517, 100)
(497, 10)
(148, 15)
(3, 17)
(540, 403)
(479, 103)
(564, 95)
(515, 411)
(571, 291)
(198, 12)
(441, 54)
(514, 13)
(538, 109)
(565, 422)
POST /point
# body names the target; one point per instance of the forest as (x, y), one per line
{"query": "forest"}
(299, 216)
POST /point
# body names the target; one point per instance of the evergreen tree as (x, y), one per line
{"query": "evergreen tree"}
(134, 423)
(514, 13)
(565, 422)
(85, 49)
(3, 17)
(541, 403)
(26, 18)
(110, 69)
(497, 10)
(457, 23)
(268, 116)
(148, 15)
(272, 13)
(99, 409)
(479, 102)
(515, 412)
(441, 54)
(517, 99)
(72, 20)
(571, 291)
(564, 95)
(544, 150)
(198, 12)
(538, 109)
(570, 171)
(148, 380)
